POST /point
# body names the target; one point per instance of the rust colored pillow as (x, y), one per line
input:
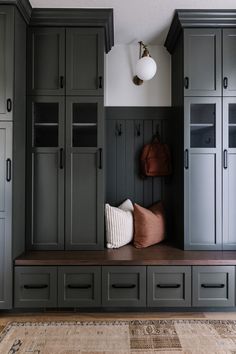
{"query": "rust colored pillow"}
(149, 225)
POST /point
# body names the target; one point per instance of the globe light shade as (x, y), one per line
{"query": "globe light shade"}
(146, 68)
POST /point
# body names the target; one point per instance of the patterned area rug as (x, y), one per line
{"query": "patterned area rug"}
(119, 337)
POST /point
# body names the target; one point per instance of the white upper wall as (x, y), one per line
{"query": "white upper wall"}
(120, 90)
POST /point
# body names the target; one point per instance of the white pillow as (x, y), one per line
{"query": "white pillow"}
(119, 224)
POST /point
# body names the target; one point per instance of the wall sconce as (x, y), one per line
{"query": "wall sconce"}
(146, 67)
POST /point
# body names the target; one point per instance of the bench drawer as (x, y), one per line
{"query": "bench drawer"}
(169, 286)
(213, 286)
(35, 287)
(79, 286)
(124, 286)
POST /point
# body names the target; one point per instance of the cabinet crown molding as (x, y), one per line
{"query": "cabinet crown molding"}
(23, 6)
(198, 18)
(76, 18)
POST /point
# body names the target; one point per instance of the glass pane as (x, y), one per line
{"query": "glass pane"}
(202, 137)
(232, 137)
(46, 117)
(45, 112)
(232, 125)
(232, 113)
(202, 113)
(202, 125)
(85, 124)
(46, 136)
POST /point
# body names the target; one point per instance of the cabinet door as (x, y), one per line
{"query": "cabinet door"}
(5, 215)
(46, 200)
(84, 174)
(202, 173)
(6, 61)
(229, 53)
(229, 173)
(46, 57)
(84, 61)
(202, 62)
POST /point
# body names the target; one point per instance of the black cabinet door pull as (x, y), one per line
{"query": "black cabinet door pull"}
(100, 82)
(9, 105)
(186, 82)
(100, 159)
(225, 159)
(123, 286)
(225, 82)
(79, 286)
(186, 162)
(8, 170)
(61, 158)
(168, 286)
(35, 286)
(61, 81)
(213, 286)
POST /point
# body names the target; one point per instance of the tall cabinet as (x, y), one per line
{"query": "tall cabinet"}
(12, 145)
(66, 138)
(204, 94)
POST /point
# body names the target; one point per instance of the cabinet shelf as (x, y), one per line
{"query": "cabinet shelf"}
(84, 124)
(45, 124)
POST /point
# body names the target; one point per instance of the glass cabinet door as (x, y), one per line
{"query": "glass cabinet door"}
(202, 125)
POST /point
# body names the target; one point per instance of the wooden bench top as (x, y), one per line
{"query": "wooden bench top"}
(162, 254)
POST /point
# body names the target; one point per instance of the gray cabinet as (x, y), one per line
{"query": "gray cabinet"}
(202, 62)
(169, 286)
(6, 62)
(5, 214)
(124, 286)
(229, 173)
(84, 61)
(66, 60)
(84, 173)
(35, 287)
(213, 286)
(203, 173)
(46, 58)
(229, 52)
(46, 175)
(79, 286)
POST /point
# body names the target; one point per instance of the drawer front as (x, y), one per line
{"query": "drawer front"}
(124, 286)
(213, 286)
(168, 286)
(35, 287)
(79, 286)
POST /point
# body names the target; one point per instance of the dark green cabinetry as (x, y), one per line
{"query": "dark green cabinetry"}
(202, 62)
(46, 58)
(12, 145)
(169, 286)
(213, 286)
(79, 286)
(84, 61)
(5, 214)
(124, 286)
(203, 67)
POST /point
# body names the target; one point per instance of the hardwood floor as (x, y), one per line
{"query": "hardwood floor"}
(76, 316)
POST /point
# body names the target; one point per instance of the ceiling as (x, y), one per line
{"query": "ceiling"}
(136, 20)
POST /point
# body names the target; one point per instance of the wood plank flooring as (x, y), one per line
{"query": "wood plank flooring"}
(76, 316)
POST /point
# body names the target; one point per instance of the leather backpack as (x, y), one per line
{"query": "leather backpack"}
(155, 159)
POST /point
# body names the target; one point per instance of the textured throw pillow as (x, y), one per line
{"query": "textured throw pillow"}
(119, 224)
(149, 225)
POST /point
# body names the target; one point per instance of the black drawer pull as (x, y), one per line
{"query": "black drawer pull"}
(79, 286)
(61, 81)
(100, 82)
(36, 286)
(186, 82)
(9, 105)
(8, 170)
(100, 164)
(186, 159)
(168, 286)
(123, 286)
(213, 286)
(61, 158)
(225, 82)
(225, 159)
